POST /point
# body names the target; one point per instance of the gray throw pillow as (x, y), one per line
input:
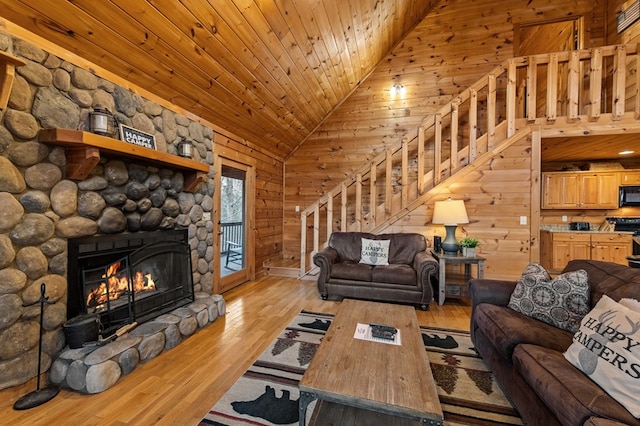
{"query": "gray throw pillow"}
(562, 301)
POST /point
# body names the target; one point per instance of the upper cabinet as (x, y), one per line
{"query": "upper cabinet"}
(580, 190)
(630, 178)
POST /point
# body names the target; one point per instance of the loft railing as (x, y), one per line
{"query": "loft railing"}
(539, 89)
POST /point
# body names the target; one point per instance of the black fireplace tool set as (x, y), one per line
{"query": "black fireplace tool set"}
(40, 395)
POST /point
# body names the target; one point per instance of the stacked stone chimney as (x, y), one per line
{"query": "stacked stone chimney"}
(40, 209)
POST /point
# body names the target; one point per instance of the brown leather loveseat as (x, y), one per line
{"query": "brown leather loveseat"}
(408, 278)
(526, 355)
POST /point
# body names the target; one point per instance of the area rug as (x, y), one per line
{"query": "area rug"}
(267, 393)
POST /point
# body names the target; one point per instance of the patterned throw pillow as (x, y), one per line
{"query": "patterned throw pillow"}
(561, 302)
(607, 349)
(374, 252)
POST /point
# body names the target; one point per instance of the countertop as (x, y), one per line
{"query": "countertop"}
(587, 232)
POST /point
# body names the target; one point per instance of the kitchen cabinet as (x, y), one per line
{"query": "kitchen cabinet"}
(558, 248)
(630, 177)
(580, 190)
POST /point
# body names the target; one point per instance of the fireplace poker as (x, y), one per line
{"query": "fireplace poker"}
(119, 332)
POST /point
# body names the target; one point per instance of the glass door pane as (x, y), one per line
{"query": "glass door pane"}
(232, 221)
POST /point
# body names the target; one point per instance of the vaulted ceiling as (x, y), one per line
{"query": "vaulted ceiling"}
(269, 71)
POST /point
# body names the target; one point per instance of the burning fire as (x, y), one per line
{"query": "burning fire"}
(117, 284)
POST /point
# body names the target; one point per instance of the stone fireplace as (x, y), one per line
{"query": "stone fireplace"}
(128, 277)
(53, 194)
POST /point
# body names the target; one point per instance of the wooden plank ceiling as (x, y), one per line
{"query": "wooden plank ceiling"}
(269, 71)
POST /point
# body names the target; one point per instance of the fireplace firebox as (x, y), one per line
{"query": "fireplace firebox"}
(129, 277)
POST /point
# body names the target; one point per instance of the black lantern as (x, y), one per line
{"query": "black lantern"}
(185, 148)
(102, 122)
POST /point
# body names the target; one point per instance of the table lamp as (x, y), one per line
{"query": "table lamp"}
(450, 213)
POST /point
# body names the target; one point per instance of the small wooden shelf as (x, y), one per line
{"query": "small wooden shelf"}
(84, 148)
(8, 64)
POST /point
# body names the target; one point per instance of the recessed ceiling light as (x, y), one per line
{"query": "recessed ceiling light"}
(627, 152)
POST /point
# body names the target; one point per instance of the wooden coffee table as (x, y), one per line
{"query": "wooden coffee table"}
(371, 377)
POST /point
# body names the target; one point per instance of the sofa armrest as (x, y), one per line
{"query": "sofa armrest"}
(427, 269)
(494, 292)
(324, 259)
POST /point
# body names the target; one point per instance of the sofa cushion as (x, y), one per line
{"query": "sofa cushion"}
(404, 246)
(374, 252)
(506, 328)
(394, 274)
(561, 302)
(564, 389)
(348, 244)
(349, 270)
(616, 281)
(607, 350)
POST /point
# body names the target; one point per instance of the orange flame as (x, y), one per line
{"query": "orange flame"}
(117, 284)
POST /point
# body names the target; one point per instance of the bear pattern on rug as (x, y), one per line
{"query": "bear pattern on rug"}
(280, 411)
(267, 393)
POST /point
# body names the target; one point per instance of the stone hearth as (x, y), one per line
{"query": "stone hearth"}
(96, 369)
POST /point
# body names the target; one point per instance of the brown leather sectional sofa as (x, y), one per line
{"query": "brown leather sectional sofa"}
(409, 278)
(526, 355)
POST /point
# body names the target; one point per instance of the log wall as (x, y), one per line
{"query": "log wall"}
(455, 45)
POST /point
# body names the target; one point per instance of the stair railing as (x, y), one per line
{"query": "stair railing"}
(540, 89)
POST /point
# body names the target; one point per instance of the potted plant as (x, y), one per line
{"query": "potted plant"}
(469, 245)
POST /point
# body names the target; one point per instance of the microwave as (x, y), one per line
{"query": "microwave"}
(629, 196)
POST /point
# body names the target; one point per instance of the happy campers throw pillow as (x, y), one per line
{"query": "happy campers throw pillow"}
(607, 349)
(374, 252)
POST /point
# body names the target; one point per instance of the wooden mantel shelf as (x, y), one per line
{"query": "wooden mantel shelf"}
(84, 148)
(8, 64)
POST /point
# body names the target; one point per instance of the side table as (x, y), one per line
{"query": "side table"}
(457, 279)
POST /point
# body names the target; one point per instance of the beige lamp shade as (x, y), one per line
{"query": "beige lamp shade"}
(449, 212)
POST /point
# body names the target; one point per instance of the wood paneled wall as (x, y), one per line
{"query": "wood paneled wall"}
(495, 195)
(456, 44)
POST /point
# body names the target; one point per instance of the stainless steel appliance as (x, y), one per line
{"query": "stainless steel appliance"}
(629, 224)
(629, 196)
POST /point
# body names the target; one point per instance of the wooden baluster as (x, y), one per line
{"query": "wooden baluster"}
(329, 214)
(619, 82)
(388, 196)
(421, 160)
(437, 153)
(511, 97)
(454, 138)
(573, 87)
(532, 89)
(405, 173)
(473, 125)
(373, 195)
(491, 112)
(316, 228)
(358, 212)
(552, 88)
(303, 243)
(595, 84)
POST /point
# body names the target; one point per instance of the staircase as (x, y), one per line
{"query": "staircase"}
(555, 89)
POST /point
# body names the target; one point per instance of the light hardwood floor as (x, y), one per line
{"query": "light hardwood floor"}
(181, 385)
